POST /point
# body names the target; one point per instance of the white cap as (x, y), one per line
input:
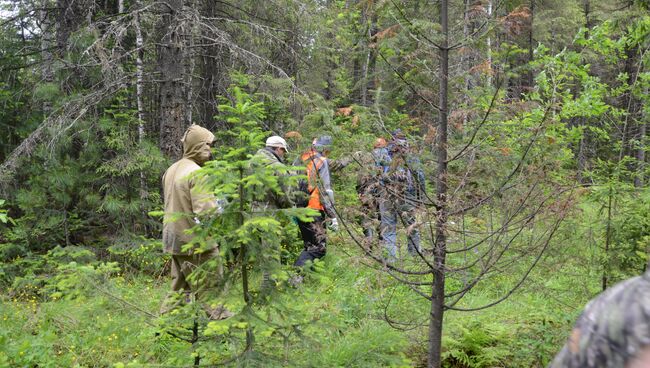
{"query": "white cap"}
(277, 141)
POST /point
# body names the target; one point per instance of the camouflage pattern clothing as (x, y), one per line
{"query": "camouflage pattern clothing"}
(369, 188)
(613, 331)
(402, 191)
(273, 199)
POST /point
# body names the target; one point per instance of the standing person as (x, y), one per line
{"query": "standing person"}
(368, 186)
(403, 187)
(321, 199)
(272, 157)
(185, 200)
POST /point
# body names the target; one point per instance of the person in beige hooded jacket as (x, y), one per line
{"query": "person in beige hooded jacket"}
(184, 200)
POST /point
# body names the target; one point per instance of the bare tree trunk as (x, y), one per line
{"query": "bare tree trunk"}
(211, 72)
(139, 76)
(587, 12)
(170, 68)
(466, 57)
(370, 58)
(489, 43)
(608, 237)
(529, 72)
(330, 64)
(634, 118)
(639, 179)
(583, 144)
(372, 62)
(139, 92)
(71, 13)
(440, 242)
(188, 60)
(47, 42)
(359, 51)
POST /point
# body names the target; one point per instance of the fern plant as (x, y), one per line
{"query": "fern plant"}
(476, 346)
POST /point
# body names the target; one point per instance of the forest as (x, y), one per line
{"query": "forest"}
(528, 120)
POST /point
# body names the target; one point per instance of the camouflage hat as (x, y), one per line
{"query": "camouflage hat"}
(613, 330)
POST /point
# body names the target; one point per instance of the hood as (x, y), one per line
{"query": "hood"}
(196, 144)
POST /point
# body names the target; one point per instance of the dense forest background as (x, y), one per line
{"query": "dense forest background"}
(530, 118)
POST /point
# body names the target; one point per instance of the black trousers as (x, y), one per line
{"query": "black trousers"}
(314, 236)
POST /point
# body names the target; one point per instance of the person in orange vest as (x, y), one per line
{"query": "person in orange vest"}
(321, 198)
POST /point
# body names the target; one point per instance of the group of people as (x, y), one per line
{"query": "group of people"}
(390, 185)
(613, 330)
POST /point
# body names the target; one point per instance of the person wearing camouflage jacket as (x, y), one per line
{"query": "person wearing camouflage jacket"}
(272, 156)
(369, 185)
(613, 331)
(402, 190)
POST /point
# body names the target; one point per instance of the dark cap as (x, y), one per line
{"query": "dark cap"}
(322, 142)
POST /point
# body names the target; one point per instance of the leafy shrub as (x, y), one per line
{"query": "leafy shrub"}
(68, 273)
(139, 254)
(99, 181)
(476, 345)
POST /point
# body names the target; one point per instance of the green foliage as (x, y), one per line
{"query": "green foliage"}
(332, 316)
(4, 217)
(622, 219)
(368, 345)
(69, 273)
(85, 206)
(96, 182)
(477, 346)
(249, 233)
(96, 330)
(47, 92)
(139, 254)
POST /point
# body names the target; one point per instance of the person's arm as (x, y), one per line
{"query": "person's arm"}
(420, 180)
(284, 200)
(339, 164)
(202, 200)
(325, 185)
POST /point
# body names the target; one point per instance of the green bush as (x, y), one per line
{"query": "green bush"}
(476, 345)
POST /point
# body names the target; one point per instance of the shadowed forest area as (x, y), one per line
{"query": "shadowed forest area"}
(523, 124)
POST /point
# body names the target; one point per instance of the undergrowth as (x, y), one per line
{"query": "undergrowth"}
(72, 309)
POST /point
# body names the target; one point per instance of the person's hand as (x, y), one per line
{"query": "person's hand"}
(334, 225)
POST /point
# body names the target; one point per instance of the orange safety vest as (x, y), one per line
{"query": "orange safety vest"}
(313, 161)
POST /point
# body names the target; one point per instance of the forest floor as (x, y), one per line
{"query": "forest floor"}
(336, 317)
